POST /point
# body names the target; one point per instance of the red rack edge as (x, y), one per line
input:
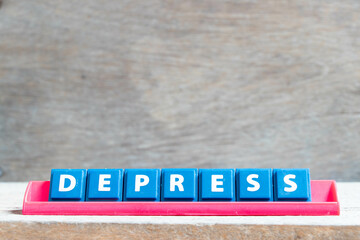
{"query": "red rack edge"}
(324, 202)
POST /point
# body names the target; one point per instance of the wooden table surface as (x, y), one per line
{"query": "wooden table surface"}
(134, 84)
(14, 225)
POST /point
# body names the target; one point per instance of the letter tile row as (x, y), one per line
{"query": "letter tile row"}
(175, 184)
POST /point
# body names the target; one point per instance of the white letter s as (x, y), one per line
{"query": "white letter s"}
(256, 185)
(293, 185)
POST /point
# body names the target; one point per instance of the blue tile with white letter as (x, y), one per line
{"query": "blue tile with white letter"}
(292, 185)
(254, 184)
(67, 185)
(217, 185)
(104, 185)
(142, 185)
(179, 184)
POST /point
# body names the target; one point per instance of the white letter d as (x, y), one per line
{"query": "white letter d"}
(62, 187)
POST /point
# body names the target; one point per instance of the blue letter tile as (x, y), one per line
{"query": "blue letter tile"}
(254, 184)
(292, 185)
(67, 185)
(142, 185)
(217, 185)
(179, 184)
(104, 185)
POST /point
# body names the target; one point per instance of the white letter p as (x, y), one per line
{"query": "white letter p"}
(140, 181)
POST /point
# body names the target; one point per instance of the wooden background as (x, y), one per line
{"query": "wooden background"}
(156, 83)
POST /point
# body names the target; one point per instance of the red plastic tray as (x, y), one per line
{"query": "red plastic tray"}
(324, 202)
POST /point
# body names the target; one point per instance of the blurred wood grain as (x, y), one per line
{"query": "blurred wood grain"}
(126, 84)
